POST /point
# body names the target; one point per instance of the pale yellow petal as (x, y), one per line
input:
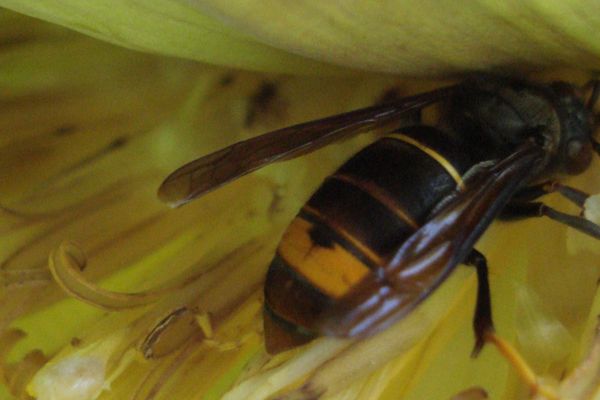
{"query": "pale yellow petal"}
(168, 27)
(422, 37)
(409, 37)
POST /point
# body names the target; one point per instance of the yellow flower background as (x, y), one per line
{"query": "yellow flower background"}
(88, 130)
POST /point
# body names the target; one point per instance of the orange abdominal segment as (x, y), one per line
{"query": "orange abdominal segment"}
(331, 269)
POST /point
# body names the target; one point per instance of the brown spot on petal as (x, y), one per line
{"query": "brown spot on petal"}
(64, 130)
(263, 102)
(389, 95)
(227, 80)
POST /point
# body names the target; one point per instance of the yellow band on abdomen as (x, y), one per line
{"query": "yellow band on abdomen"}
(440, 159)
(332, 270)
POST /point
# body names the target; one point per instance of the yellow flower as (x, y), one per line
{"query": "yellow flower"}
(399, 36)
(174, 310)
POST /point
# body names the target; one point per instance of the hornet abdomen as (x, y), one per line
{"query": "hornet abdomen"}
(352, 224)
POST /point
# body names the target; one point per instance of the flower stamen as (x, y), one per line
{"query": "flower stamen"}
(473, 393)
(66, 264)
(522, 368)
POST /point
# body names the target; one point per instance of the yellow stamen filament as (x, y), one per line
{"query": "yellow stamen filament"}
(24, 371)
(29, 216)
(474, 393)
(15, 376)
(203, 321)
(66, 263)
(229, 344)
(8, 339)
(584, 381)
(22, 277)
(521, 367)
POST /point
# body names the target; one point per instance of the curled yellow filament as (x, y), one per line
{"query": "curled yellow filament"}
(66, 264)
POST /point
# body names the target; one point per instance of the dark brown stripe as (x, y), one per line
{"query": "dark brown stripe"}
(415, 180)
(380, 195)
(291, 297)
(449, 147)
(335, 233)
(287, 325)
(359, 218)
(438, 157)
(281, 335)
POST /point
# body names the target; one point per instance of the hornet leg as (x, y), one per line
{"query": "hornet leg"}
(519, 210)
(482, 321)
(485, 333)
(522, 203)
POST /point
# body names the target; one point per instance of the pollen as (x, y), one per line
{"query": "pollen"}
(73, 378)
(591, 209)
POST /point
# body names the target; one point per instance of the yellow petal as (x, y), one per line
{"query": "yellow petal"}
(170, 28)
(400, 36)
(422, 38)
